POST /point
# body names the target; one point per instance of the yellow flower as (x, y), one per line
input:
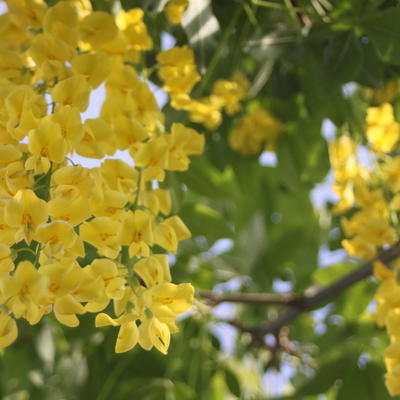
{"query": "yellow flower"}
(72, 182)
(174, 10)
(50, 54)
(128, 131)
(27, 13)
(60, 241)
(24, 108)
(169, 300)
(205, 111)
(64, 277)
(16, 178)
(111, 204)
(382, 130)
(10, 65)
(113, 282)
(257, 131)
(27, 292)
(8, 330)
(47, 141)
(25, 212)
(104, 234)
(181, 142)
(392, 381)
(7, 232)
(230, 93)
(94, 67)
(382, 272)
(69, 120)
(11, 34)
(137, 233)
(153, 155)
(8, 154)
(98, 139)
(391, 174)
(61, 21)
(98, 28)
(153, 270)
(152, 332)
(128, 332)
(157, 200)
(66, 308)
(178, 70)
(135, 31)
(119, 176)
(6, 262)
(73, 91)
(73, 211)
(169, 232)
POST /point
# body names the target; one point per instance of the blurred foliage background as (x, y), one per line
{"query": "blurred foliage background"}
(258, 226)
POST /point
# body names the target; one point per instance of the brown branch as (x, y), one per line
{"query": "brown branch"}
(248, 298)
(323, 295)
(297, 306)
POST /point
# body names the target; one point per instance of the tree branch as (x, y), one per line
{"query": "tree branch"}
(298, 304)
(323, 295)
(249, 298)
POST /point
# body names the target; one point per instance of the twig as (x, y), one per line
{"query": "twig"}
(323, 295)
(257, 299)
(218, 52)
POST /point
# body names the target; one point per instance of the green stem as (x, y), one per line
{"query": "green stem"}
(271, 4)
(218, 52)
(292, 12)
(250, 14)
(71, 161)
(37, 254)
(27, 249)
(112, 379)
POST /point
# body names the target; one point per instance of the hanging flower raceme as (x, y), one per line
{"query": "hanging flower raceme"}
(373, 197)
(52, 210)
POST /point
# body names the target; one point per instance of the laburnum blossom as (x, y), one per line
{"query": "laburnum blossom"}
(25, 212)
(27, 292)
(258, 130)
(137, 232)
(178, 70)
(8, 329)
(370, 199)
(174, 10)
(76, 239)
(382, 130)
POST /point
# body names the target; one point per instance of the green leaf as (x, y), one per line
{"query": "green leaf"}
(366, 384)
(251, 242)
(183, 391)
(206, 180)
(204, 221)
(383, 29)
(232, 382)
(326, 376)
(327, 275)
(343, 58)
(371, 71)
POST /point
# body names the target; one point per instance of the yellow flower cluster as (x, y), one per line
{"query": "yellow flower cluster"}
(346, 171)
(388, 315)
(76, 239)
(257, 131)
(376, 197)
(385, 94)
(178, 71)
(383, 132)
(174, 10)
